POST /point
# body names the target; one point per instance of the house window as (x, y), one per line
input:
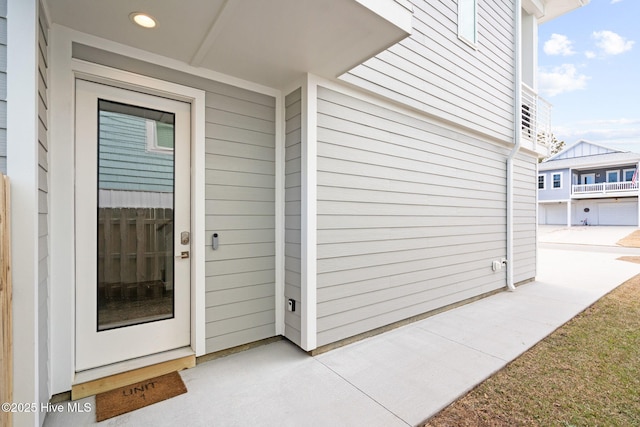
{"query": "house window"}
(627, 175)
(613, 176)
(468, 21)
(159, 136)
(540, 182)
(557, 180)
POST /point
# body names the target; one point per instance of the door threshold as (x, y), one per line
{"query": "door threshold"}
(106, 378)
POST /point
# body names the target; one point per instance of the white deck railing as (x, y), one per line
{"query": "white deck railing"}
(536, 117)
(604, 187)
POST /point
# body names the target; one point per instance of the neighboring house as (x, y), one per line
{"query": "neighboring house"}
(589, 184)
(334, 167)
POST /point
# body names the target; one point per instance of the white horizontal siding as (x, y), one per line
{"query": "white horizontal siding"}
(410, 216)
(292, 263)
(240, 207)
(524, 213)
(435, 72)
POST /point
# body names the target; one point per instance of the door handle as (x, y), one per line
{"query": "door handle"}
(183, 255)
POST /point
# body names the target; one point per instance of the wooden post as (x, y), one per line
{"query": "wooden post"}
(108, 248)
(124, 256)
(140, 258)
(6, 338)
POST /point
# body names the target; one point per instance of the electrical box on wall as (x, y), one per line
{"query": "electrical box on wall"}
(291, 306)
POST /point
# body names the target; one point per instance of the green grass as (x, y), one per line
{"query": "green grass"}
(587, 373)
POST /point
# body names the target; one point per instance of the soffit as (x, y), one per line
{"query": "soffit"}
(267, 42)
(556, 8)
(600, 160)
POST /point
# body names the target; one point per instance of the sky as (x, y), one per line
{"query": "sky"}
(589, 70)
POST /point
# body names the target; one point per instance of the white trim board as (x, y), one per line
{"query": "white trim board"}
(22, 169)
(308, 213)
(280, 163)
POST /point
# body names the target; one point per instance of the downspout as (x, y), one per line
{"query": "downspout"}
(517, 137)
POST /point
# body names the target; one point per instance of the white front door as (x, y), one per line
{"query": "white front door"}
(132, 224)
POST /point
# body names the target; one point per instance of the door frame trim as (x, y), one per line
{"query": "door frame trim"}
(63, 356)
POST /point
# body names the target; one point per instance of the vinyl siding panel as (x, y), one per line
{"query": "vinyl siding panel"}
(550, 193)
(292, 263)
(437, 73)
(43, 210)
(239, 199)
(123, 138)
(410, 216)
(524, 232)
(240, 207)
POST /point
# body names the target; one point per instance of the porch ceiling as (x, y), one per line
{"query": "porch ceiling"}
(546, 10)
(267, 42)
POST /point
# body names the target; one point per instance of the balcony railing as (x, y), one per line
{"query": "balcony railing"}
(604, 187)
(536, 117)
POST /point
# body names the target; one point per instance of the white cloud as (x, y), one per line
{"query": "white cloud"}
(558, 44)
(615, 1)
(625, 133)
(617, 122)
(611, 43)
(590, 54)
(564, 78)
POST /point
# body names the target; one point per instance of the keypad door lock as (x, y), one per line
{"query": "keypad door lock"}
(185, 236)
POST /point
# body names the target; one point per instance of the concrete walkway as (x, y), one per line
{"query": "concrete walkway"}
(398, 378)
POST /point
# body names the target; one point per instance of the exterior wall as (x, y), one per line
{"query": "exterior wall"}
(410, 216)
(524, 217)
(581, 150)
(293, 145)
(550, 193)
(43, 210)
(240, 206)
(3, 86)
(436, 72)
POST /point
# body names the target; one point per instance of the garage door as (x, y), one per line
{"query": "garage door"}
(555, 214)
(618, 213)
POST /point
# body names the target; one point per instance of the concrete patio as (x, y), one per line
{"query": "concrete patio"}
(401, 377)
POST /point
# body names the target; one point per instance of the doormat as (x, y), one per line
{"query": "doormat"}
(129, 398)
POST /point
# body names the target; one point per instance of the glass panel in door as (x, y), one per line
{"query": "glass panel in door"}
(135, 215)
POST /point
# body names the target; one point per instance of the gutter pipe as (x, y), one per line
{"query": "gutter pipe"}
(517, 137)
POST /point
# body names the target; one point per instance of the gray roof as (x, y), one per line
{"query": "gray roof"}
(611, 159)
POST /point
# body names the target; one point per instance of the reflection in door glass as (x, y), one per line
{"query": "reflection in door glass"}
(135, 215)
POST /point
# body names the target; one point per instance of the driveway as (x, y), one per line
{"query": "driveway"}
(581, 235)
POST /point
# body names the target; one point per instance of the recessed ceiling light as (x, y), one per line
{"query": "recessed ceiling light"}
(144, 20)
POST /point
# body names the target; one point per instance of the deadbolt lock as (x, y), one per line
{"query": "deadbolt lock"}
(184, 238)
